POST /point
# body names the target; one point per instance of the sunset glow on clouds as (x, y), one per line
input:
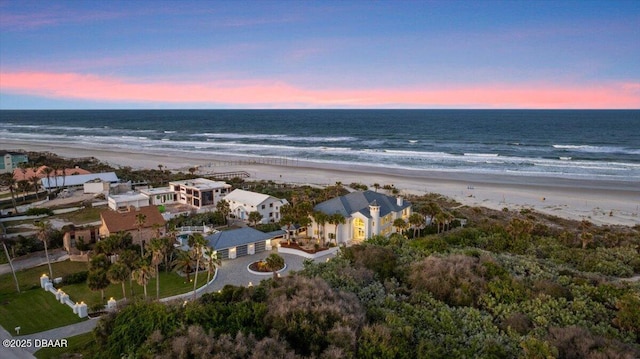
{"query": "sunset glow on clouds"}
(244, 93)
(302, 55)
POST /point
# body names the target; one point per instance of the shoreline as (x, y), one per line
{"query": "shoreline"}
(598, 201)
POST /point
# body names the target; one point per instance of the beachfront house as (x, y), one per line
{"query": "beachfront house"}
(41, 172)
(77, 181)
(366, 214)
(244, 202)
(130, 199)
(201, 193)
(160, 195)
(11, 161)
(143, 223)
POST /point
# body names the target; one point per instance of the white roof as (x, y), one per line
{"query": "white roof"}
(249, 198)
(157, 190)
(201, 184)
(129, 196)
(77, 180)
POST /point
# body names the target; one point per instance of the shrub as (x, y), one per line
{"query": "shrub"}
(39, 211)
(75, 278)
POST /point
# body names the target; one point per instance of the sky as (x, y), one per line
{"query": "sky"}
(319, 54)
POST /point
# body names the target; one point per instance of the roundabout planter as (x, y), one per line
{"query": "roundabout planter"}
(264, 273)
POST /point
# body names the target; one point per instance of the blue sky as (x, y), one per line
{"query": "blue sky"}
(325, 54)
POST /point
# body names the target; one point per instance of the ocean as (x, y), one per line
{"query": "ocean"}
(576, 144)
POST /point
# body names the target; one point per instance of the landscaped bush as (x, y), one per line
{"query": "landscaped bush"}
(39, 211)
(75, 278)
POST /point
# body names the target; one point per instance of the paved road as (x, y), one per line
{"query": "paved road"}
(232, 272)
(9, 352)
(34, 260)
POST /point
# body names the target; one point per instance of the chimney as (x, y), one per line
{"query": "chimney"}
(399, 201)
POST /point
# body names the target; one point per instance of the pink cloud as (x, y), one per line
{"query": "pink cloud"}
(278, 94)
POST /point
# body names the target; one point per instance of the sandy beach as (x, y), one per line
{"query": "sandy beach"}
(600, 202)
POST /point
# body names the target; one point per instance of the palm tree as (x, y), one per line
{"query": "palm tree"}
(118, 273)
(274, 262)
(197, 244)
(336, 219)
(440, 217)
(64, 175)
(416, 220)
(13, 271)
(213, 262)
(156, 247)
(321, 219)
(224, 208)
(44, 230)
(184, 262)
(9, 181)
(142, 276)
(97, 280)
(167, 243)
(376, 186)
(141, 219)
(23, 186)
(35, 183)
(48, 171)
(400, 225)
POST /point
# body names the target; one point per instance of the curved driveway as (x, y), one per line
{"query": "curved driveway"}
(232, 272)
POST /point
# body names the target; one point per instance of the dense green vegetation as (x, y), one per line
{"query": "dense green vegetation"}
(509, 285)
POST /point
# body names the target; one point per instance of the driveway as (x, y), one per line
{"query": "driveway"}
(233, 272)
(34, 259)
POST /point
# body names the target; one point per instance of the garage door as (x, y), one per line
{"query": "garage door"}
(223, 254)
(241, 251)
(260, 246)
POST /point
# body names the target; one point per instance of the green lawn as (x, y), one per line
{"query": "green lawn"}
(170, 284)
(77, 344)
(35, 310)
(85, 215)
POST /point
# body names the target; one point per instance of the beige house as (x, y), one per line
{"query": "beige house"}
(126, 220)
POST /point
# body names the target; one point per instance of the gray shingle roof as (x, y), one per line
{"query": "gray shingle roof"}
(355, 202)
(236, 237)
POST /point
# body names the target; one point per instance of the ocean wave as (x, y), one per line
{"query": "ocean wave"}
(598, 149)
(279, 137)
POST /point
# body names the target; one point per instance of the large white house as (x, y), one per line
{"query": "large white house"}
(199, 192)
(244, 202)
(366, 214)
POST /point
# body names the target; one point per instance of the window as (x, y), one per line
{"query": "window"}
(358, 229)
(264, 206)
(270, 205)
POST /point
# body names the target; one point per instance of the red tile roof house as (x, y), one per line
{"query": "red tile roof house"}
(27, 173)
(126, 220)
